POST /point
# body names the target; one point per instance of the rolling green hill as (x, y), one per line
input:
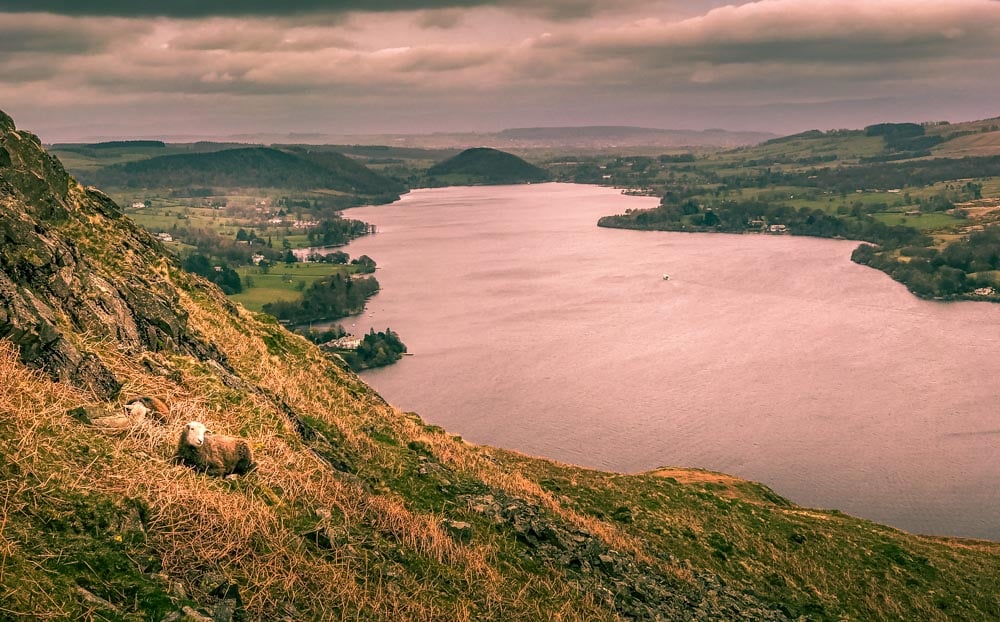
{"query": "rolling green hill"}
(355, 510)
(879, 142)
(83, 159)
(482, 165)
(255, 167)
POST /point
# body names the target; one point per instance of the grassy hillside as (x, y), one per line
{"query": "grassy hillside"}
(256, 167)
(356, 510)
(880, 142)
(482, 165)
(85, 158)
(973, 138)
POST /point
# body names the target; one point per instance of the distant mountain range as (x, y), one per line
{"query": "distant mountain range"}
(582, 137)
(627, 136)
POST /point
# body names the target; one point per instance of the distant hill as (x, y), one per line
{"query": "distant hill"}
(882, 142)
(971, 138)
(482, 165)
(363, 179)
(119, 144)
(608, 136)
(256, 167)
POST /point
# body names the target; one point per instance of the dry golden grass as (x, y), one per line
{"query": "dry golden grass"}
(978, 144)
(254, 530)
(294, 379)
(198, 522)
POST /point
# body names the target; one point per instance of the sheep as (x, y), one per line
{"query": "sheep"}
(146, 405)
(213, 454)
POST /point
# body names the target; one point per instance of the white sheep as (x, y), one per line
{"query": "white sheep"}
(146, 406)
(213, 454)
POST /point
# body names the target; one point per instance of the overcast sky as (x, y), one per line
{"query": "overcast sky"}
(74, 69)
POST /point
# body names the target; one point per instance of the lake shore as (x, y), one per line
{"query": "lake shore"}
(769, 357)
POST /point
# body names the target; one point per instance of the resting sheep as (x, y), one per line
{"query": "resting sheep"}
(147, 406)
(214, 454)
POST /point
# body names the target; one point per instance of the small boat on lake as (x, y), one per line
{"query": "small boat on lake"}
(666, 277)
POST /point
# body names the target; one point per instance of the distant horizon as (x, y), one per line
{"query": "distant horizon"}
(114, 69)
(181, 138)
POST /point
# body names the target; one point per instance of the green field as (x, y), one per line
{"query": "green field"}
(177, 214)
(82, 161)
(847, 147)
(925, 222)
(168, 214)
(282, 282)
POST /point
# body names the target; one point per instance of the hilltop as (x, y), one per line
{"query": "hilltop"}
(355, 509)
(482, 165)
(253, 167)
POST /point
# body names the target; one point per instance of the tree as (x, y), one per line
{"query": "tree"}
(365, 264)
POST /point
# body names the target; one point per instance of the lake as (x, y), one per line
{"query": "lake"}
(773, 358)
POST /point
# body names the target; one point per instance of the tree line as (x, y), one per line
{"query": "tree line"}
(326, 299)
(375, 350)
(962, 267)
(751, 215)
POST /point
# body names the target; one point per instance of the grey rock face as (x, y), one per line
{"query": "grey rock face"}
(70, 263)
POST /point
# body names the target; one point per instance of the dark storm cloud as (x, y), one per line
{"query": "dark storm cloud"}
(445, 20)
(259, 8)
(54, 34)
(442, 61)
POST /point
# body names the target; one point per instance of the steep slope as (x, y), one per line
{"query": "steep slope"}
(355, 510)
(482, 165)
(363, 179)
(257, 167)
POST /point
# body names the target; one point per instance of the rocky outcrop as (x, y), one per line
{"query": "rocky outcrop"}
(68, 264)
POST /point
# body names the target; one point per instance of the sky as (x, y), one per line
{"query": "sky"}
(78, 69)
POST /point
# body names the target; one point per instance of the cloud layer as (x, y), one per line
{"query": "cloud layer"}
(269, 8)
(453, 65)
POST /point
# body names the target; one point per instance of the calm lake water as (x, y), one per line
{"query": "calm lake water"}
(773, 358)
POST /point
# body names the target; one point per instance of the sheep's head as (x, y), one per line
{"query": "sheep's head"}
(194, 433)
(136, 409)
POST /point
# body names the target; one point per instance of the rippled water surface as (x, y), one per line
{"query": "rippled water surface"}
(769, 357)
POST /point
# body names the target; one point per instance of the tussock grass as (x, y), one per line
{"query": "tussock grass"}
(196, 523)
